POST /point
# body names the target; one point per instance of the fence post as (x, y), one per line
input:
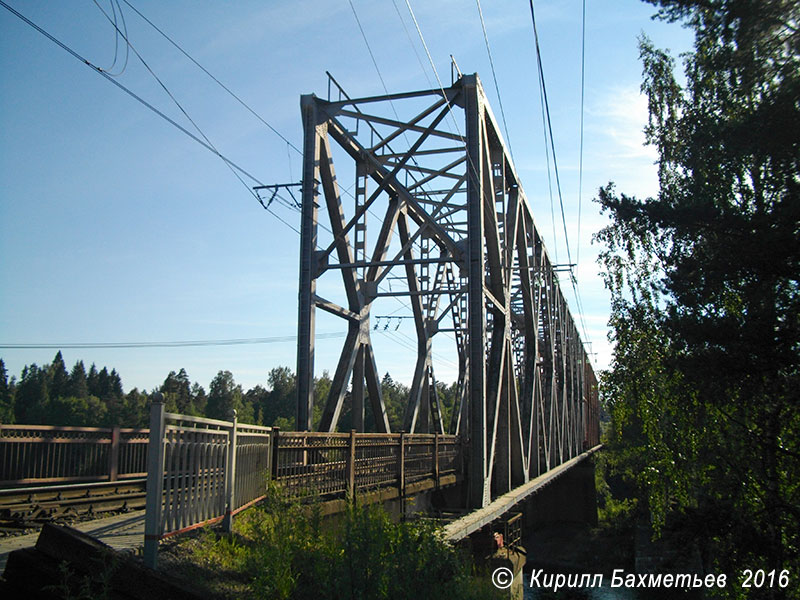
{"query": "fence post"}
(401, 465)
(276, 432)
(351, 466)
(436, 458)
(113, 454)
(230, 478)
(155, 482)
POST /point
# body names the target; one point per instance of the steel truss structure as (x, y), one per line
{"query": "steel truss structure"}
(455, 238)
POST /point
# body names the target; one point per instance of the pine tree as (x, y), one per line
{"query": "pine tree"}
(32, 397)
(58, 376)
(78, 386)
(6, 397)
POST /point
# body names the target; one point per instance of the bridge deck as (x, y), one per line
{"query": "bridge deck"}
(461, 528)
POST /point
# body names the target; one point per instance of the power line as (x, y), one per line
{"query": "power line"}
(550, 129)
(494, 76)
(172, 96)
(128, 91)
(222, 85)
(580, 162)
(411, 42)
(172, 344)
(207, 145)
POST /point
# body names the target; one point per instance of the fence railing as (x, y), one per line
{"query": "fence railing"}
(201, 471)
(36, 454)
(310, 463)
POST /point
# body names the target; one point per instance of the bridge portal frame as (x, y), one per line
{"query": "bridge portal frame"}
(527, 391)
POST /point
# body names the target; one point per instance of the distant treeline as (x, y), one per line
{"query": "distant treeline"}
(52, 395)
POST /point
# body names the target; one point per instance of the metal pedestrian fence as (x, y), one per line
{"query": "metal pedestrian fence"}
(201, 471)
(44, 454)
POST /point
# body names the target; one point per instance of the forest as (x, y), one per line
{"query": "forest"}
(705, 294)
(53, 395)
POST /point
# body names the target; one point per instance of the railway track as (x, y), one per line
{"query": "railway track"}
(21, 508)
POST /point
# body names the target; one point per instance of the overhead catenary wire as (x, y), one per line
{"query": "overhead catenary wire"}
(127, 90)
(546, 115)
(549, 133)
(149, 106)
(166, 344)
(540, 69)
(175, 100)
(411, 42)
(580, 159)
(494, 77)
(207, 72)
(114, 6)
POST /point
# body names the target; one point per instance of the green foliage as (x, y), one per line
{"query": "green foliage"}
(225, 396)
(6, 396)
(52, 396)
(288, 551)
(395, 397)
(705, 285)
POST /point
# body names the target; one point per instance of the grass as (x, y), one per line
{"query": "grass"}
(285, 550)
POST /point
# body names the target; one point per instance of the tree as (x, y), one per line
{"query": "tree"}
(88, 411)
(32, 397)
(6, 396)
(91, 379)
(133, 410)
(177, 393)
(395, 398)
(282, 397)
(257, 397)
(705, 283)
(58, 377)
(225, 396)
(199, 398)
(77, 386)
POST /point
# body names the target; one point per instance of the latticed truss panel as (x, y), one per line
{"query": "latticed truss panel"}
(435, 228)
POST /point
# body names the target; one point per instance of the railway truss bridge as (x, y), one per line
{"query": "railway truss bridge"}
(453, 242)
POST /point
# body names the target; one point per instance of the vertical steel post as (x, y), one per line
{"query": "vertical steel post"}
(351, 466)
(276, 433)
(230, 478)
(478, 486)
(308, 267)
(113, 454)
(436, 458)
(155, 482)
(401, 464)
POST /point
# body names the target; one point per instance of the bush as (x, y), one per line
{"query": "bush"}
(285, 550)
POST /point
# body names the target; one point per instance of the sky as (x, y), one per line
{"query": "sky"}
(116, 227)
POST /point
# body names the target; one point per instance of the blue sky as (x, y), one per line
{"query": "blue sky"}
(116, 227)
